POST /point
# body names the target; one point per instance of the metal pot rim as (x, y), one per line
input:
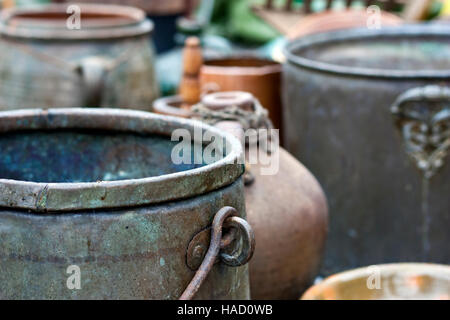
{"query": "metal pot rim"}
(364, 33)
(137, 24)
(54, 197)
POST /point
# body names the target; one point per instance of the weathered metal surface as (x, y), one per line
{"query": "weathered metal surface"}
(339, 89)
(289, 215)
(106, 63)
(130, 235)
(404, 281)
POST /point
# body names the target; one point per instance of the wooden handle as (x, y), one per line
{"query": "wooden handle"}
(192, 62)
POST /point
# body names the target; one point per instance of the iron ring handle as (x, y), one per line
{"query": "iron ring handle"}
(244, 254)
(225, 218)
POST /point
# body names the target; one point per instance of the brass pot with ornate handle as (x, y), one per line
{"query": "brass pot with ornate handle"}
(422, 116)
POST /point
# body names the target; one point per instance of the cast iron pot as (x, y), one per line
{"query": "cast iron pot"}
(96, 190)
(46, 61)
(368, 112)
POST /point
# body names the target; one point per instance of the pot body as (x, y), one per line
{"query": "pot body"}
(260, 77)
(136, 253)
(382, 207)
(103, 71)
(289, 214)
(125, 236)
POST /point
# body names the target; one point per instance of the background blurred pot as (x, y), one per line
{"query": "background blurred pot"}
(164, 15)
(417, 281)
(260, 77)
(98, 189)
(106, 63)
(341, 19)
(360, 114)
(289, 215)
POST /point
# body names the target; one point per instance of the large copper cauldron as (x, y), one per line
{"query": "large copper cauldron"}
(95, 195)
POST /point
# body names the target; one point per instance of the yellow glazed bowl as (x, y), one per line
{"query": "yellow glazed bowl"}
(405, 281)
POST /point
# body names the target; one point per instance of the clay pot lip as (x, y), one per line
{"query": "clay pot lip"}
(63, 197)
(364, 34)
(115, 21)
(170, 106)
(268, 66)
(439, 270)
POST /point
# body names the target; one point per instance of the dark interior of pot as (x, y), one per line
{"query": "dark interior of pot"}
(392, 53)
(87, 156)
(91, 17)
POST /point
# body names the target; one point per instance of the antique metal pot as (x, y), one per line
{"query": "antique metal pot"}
(97, 191)
(287, 210)
(405, 281)
(100, 56)
(368, 112)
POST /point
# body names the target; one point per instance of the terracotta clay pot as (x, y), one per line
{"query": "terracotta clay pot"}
(289, 215)
(416, 281)
(343, 19)
(260, 77)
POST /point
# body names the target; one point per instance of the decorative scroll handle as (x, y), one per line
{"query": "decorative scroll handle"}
(225, 218)
(423, 117)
